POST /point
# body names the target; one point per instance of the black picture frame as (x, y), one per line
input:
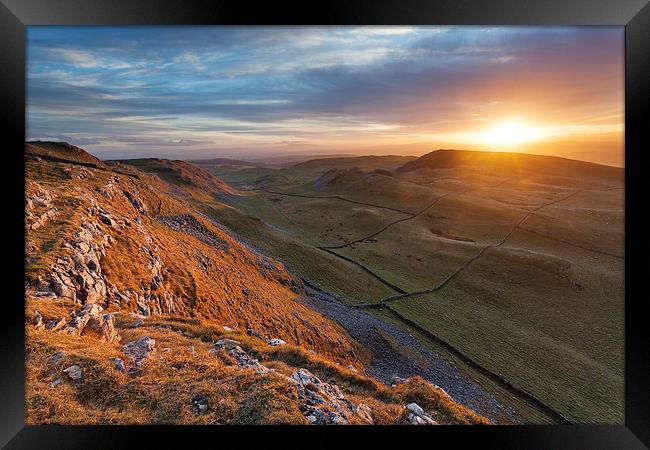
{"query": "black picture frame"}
(15, 15)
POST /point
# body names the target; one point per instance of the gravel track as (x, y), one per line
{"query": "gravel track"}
(386, 362)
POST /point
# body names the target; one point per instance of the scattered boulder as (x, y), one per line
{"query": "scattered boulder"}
(107, 219)
(74, 372)
(137, 351)
(415, 415)
(91, 317)
(251, 332)
(56, 382)
(352, 368)
(119, 364)
(275, 342)
(42, 295)
(55, 324)
(38, 321)
(397, 380)
(56, 358)
(199, 404)
(225, 328)
(243, 359)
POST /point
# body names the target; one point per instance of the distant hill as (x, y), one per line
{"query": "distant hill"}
(61, 151)
(512, 162)
(364, 163)
(227, 161)
(181, 173)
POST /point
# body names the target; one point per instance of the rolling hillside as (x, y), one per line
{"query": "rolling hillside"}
(141, 309)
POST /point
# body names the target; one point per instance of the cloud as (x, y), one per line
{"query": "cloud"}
(194, 86)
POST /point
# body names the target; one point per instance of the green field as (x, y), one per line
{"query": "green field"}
(546, 316)
(542, 309)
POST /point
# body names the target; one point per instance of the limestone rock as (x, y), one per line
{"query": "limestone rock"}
(38, 321)
(119, 364)
(79, 277)
(137, 351)
(275, 342)
(91, 317)
(55, 324)
(56, 358)
(243, 359)
(415, 415)
(322, 403)
(74, 372)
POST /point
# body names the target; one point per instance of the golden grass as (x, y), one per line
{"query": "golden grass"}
(181, 371)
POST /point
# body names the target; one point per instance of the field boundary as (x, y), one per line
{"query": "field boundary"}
(483, 370)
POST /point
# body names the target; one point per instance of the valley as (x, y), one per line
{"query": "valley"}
(497, 277)
(514, 261)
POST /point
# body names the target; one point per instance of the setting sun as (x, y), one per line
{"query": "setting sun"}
(509, 133)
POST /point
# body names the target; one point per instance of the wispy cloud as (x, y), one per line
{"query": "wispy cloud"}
(232, 87)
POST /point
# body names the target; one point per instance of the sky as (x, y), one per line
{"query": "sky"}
(256, 92)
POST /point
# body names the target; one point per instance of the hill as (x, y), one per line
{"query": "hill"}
(61, 151)
(140, 309)
(516, 164)
(487, 257)
(183, 174)
(364, 163)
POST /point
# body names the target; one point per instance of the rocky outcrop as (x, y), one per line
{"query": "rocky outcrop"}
(321, 403)
(324, 403)
(79, 277)
(136, 201)
(90, 317)
(118, 364)
(137, 351)
(233, 349)
(38, 208)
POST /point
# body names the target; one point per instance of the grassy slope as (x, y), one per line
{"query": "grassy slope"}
(319, 221)
(549, 319)
(542, 297)
(182, 370)
(232, 290)
(324, 270)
